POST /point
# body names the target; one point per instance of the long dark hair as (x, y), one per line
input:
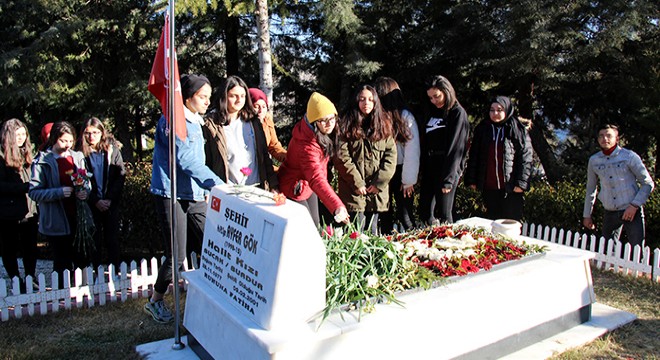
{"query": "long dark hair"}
(353, 125)
(325, 141)
(393, 105)
(106, 141)
(220, 116)
(60, 128)
(442, 83)
(15, 156)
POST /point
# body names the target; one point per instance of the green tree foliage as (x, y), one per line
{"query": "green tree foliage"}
(570, 65)
(68, 60)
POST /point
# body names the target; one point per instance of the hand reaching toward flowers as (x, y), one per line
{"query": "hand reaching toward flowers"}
(341, 215)
(361, 191)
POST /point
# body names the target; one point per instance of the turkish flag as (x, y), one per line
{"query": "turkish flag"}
(215, 203)
(160, 80)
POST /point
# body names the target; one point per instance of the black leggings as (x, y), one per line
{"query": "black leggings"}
(190, 215)
(19, 237)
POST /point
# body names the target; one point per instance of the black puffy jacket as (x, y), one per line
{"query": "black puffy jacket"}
(518, 152)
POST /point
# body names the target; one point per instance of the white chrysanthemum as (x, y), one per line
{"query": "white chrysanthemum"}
(436, 254)
(372, 281)
(398, 246)
(364, 237)
(389, 254)
(468, 239)
(469, 252)
(417, 245)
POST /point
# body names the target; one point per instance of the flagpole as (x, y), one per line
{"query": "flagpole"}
(178, 345)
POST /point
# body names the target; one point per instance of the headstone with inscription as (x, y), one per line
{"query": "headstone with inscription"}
(262, 269)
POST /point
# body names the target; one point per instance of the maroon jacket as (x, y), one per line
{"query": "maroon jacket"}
(305, 163)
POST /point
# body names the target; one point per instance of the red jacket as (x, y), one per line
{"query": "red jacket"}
(306, 163)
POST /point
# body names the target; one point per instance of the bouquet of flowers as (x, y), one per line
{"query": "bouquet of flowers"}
(247, 191)
(85, 228)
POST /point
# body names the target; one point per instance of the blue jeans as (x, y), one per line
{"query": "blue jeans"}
(612, 224)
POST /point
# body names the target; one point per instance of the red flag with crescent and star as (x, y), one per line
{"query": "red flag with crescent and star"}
(160, 80)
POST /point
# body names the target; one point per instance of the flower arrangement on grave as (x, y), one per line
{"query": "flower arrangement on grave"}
(247, 191)
(84, 238)
(362, 269)
(454, 250)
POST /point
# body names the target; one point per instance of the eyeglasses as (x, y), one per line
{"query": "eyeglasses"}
(327, 121)
(95, 133)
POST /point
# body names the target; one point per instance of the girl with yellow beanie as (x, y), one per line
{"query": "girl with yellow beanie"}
(303, 176)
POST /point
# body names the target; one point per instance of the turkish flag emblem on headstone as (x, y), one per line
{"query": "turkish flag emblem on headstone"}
(215, 203)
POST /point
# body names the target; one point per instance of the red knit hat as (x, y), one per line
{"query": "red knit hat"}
(257, 94)
(45, 132)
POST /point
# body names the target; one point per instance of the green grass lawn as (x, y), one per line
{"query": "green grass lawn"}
(113, 331)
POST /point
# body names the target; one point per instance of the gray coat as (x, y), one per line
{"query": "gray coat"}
(46, 190)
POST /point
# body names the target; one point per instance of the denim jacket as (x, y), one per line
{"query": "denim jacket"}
(46, 190)
(624, 181)
(193, 177)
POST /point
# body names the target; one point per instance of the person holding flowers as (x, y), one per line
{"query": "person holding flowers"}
(52, 187)
(303, 176)
(366, 158)
(18, 219)
(235, 139)
(194, 180)
(103, 157)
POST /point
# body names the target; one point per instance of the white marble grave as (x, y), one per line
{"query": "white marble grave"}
(487, 315)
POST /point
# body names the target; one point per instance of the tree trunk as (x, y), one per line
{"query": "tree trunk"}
(543, 149)
(265, 64)
(231, 43)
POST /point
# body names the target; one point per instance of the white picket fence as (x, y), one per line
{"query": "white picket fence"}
(135, 282)
(610, 254)
(87, 289)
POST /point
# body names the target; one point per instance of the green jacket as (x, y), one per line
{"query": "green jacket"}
(363, 163)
